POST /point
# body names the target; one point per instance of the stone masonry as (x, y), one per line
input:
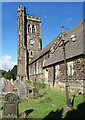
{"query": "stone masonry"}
(46, 65)
(29, 41)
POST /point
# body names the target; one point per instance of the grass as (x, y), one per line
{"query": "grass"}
(51, 106)
(42, 108)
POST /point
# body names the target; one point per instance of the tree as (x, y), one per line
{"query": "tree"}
(7, 75)
(14, 72)
(2, 72)
(11, 74)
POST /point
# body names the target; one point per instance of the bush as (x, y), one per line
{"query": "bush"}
(47, 99)
(34, 83)
(41, 85)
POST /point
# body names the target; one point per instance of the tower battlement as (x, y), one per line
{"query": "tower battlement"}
(29, 41)
(21, 8)
(33, 18)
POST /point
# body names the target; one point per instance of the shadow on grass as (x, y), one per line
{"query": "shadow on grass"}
(25, 114)
(54, 115)
(71, 115)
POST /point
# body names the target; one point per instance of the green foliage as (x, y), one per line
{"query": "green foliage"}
(48, 99)
(2, 72)
(14, 72)
(7, 75)
(10, 74)
(34, 83)
(56, 99)
(41, 85)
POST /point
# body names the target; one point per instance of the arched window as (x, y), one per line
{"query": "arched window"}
(70, 69)
(33, 29)
(29, 29)
(31, 52)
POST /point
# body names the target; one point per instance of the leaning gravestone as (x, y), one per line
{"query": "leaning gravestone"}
(10, 107)
(23, 90)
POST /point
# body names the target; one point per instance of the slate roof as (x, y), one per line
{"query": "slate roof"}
(44, 50)
(73, 49)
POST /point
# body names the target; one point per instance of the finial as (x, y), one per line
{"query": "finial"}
(27, 15)
(38, 18)
(35, 17)
(31, 16)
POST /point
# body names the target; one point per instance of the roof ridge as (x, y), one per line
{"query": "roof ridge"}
(75, 26)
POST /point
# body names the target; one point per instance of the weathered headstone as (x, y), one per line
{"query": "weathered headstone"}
(3, 83)
(10, 106)
(9, 88)
(35, 92)
(23, 90)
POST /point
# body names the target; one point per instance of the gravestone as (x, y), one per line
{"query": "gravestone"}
(35, 92)
(3, 83)
(10, 106)
(23, 90)
(9, 88)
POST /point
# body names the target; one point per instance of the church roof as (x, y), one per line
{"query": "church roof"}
(73, 49)
(44, 50)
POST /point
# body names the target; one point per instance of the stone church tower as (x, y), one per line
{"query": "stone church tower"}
(29, 41)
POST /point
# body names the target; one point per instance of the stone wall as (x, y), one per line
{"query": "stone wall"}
(76, 75)
(55, 75)
(36, 71)
(29, 41)
(22, 71)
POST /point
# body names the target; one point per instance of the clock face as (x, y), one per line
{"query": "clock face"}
(31, 42)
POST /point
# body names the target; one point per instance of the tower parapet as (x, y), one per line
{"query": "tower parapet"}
(29, 41)
(21, 8)
(33, 18)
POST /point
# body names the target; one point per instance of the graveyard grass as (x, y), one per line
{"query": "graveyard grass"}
(41, 107)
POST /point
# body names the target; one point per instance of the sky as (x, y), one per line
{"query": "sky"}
(53, 15)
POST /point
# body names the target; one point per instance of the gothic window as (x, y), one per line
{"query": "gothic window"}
(46, 75)
(33, 29)
(29, 28)
(57, 71)
(31, 52)
(70, 68)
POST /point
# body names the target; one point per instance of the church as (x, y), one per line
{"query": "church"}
(47, 64)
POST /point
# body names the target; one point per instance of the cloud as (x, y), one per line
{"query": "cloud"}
(45, 16)
(69, 19)
(6, 62)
